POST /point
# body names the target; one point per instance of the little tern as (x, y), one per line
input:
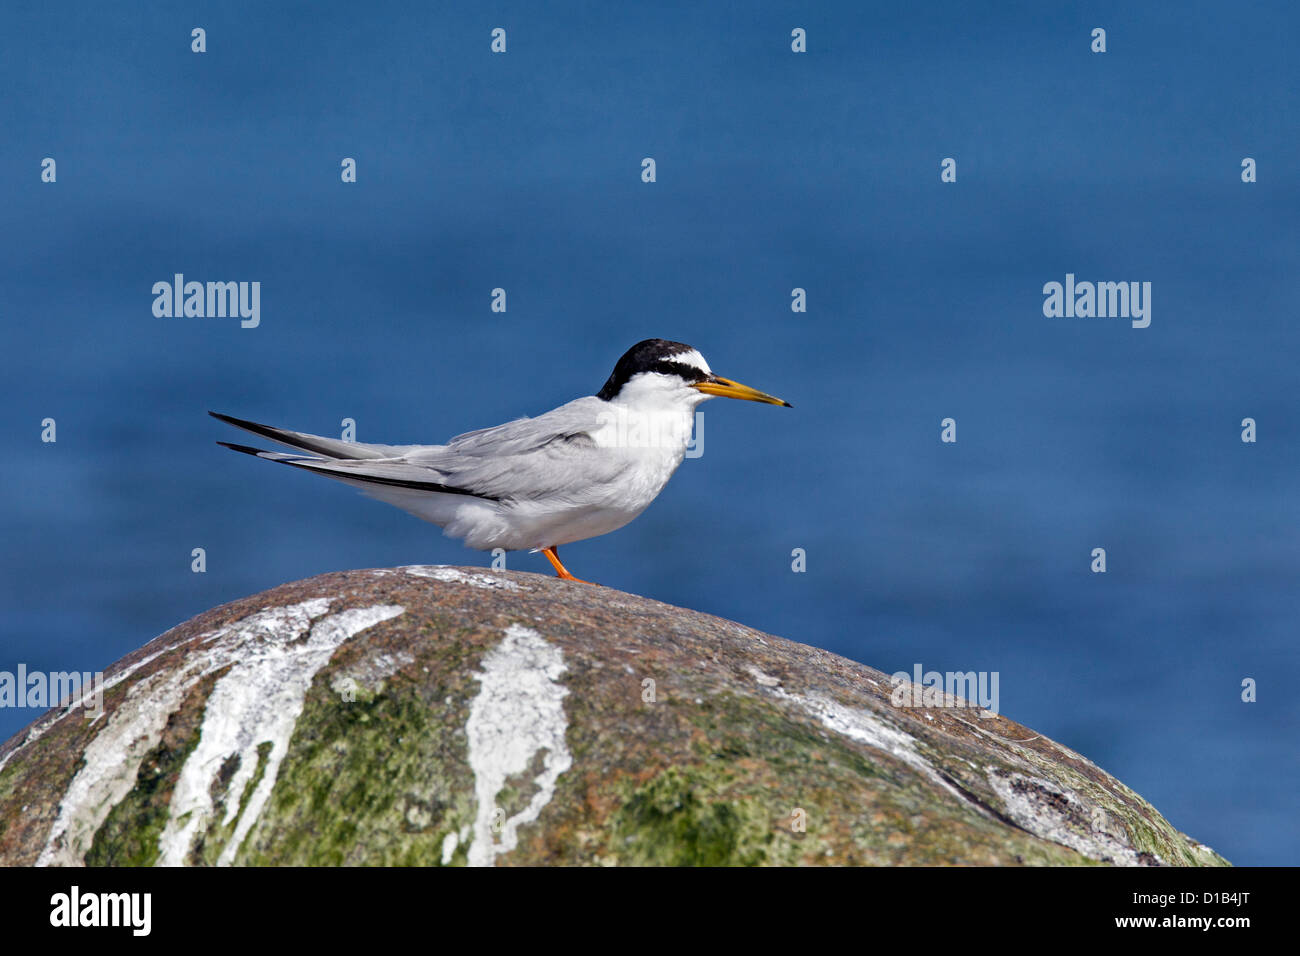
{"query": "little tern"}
(578, 471)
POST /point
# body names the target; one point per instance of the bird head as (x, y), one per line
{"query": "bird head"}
(662, 372)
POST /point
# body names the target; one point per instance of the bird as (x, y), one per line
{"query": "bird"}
(581, 470)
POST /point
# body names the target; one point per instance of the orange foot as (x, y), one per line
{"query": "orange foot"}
(553, 555)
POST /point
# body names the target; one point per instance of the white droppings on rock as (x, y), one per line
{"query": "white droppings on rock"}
(449, 844)
(1051, 812)
(40, 727)
(450, 575)
(112, 758)
(111, 761)
(518, 713)
(257, 702)
(868, 728)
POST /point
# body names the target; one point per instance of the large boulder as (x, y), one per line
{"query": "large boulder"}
(440, 715)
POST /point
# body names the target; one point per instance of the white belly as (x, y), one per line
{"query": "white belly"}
(604, 508)
(634, 458)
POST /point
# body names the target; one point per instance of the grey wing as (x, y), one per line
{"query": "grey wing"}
(552, 454)
(528, 458)
(572, 420)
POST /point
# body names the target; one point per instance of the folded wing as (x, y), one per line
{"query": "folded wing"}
(551, 456)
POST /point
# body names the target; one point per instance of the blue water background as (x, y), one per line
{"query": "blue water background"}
(774, 171)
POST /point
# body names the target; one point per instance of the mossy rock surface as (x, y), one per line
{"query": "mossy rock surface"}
(448, 716)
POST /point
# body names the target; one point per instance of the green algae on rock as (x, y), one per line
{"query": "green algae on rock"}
(429, 716)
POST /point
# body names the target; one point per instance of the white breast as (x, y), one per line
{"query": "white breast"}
(636, 443)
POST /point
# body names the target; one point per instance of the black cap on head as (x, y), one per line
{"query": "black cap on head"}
(652, 355)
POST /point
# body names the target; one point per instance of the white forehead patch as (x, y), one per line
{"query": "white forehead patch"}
(693, 358)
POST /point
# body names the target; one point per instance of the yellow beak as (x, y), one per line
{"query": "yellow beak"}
(726, 388)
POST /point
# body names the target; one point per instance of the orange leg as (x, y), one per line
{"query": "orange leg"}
(553, 555)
